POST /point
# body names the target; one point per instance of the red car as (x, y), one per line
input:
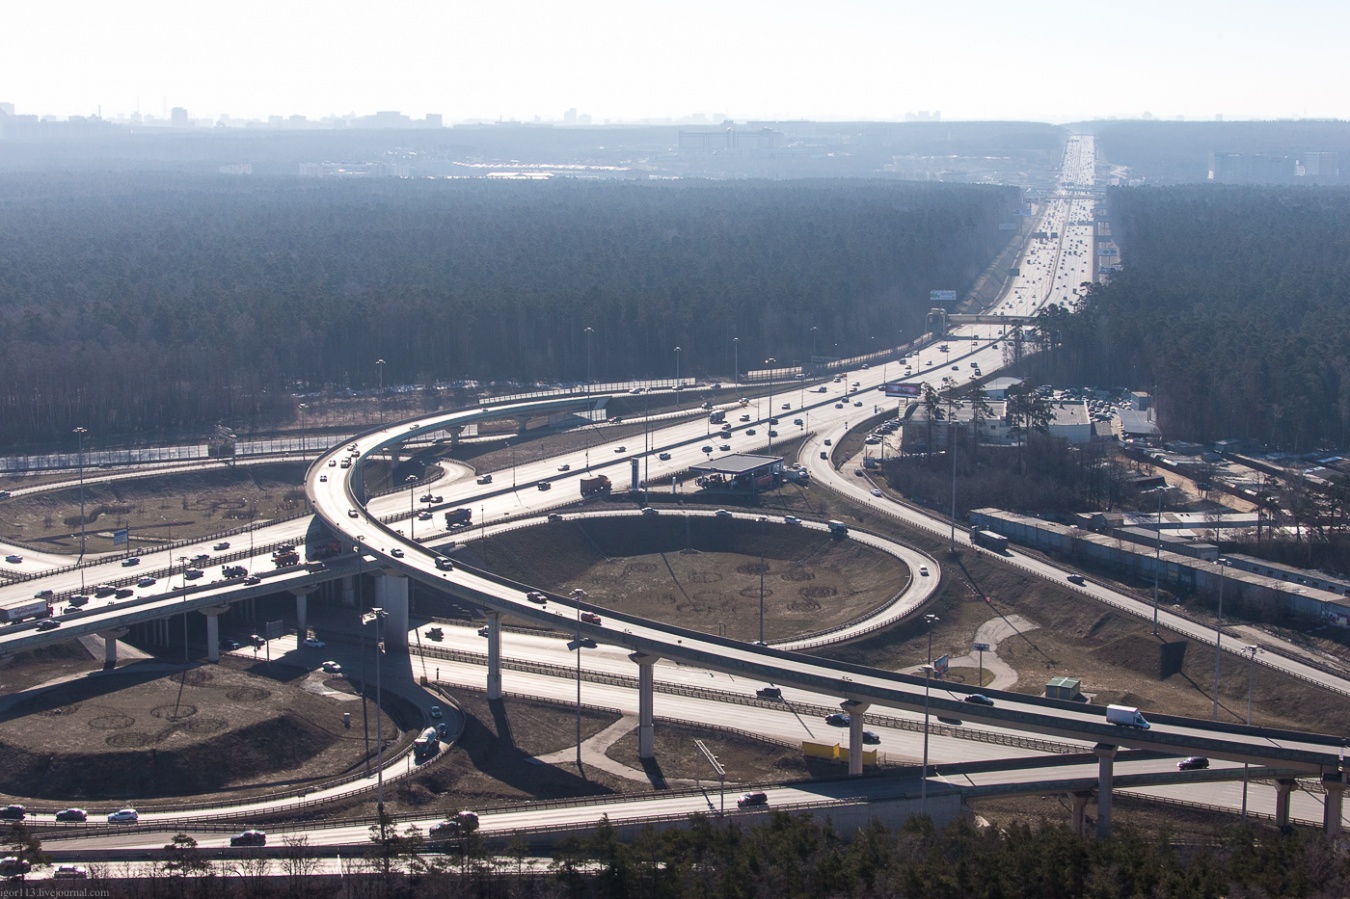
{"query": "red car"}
(590, 617)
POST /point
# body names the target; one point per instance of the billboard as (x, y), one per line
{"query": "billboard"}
(940, 666)
(942, 296)
(908, 391)
(120, 537)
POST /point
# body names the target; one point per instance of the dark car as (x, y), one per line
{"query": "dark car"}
(769, 692)
(536, 597)
(461, 823)
(13, 813)
(758, 797)
(249, 838)
(72, 814)
(1193, 763)
(979, 699)
(837, 719)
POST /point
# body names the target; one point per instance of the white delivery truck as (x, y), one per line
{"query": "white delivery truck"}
(1126, 716)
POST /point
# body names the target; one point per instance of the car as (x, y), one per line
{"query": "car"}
(590, 617)
(461, 823)
(352, 513)
(72, 814)
(923, 571)
(536, 597)
(323, 479)
(773, 421)
(13, 813)
(621, 449)
(332, 463)
(705, 449)
(224, 544)
(396, 552)
(229, 645)
(434, 711)
(435, 633)
(147, 581)
(124, 816)
(130, 561)
(314, 643)
(726, 448)
(70, 872)
(428, 498)
(787, 406)
(876, 491)
(482, 479)
(587, 642)
(193, 574)
(13, 866)
(745, 417)
(554, 516)
(252, 580)
(1193, 763)
(758, 797)
(769, 692)
(664, 457)
(978, 699)
(772, 432)
(424, 515)
(124, 592)
(858, 403)
(1076, 579)
(838, 405)
(544, 485)
(442, 730)
(820, 389)
(564, 467)
(722, 513)
(750, 432)
(956, 368)
(437, 499)
(49, 624)
(837, 719)
(103, 590)
(858, 472)
(797, 421)
(14, 558)
(249, 838)
(791, 519)
(648, 510)
(870, 737)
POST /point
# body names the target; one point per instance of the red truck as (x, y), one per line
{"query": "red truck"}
(597, 485)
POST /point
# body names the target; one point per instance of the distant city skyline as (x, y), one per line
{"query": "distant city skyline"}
(607, 61)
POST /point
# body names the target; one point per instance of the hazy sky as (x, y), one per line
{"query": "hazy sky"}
(1046, 60)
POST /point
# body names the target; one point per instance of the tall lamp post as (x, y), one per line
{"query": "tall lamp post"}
(79, 439)
(578, 595)
(1252, 650)
(814, 330)
(411, 481)
(1218, 638)
(677, 368)
(588, 332)
(379, 397)
(929, 620)
(770, 362)
(736, 361)
(302, 407)
(951, 448)
(1157, 558)
(377, 615)
(183, 560)
(762, 519)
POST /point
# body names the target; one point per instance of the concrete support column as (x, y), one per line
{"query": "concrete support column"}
(1106, 757)
(646, 704)
(391, 594)
(1283, 787)
(521, 422)
(348, 599)
(1334, 784)
(301, 614)
(855, 712)
(494, 638)
(1080, 801)
(110, 638)
(213, 631)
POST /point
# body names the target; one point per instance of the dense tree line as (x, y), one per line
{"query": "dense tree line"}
(143, 303)
(1232, 308)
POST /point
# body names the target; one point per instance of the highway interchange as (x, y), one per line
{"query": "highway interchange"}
(1051, 272)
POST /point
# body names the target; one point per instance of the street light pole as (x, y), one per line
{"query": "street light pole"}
(736, 361)
(411, 481)
(377, 615)
(79, 439)
(379, 398)
(1157, 559)
(923, 779)
(951, 448)
(183, 560)
(1218, 639)
(588, 332)
(814, 330)
(578, 595)
(1251, 681)
(677, 367)
(770, 362)
(302, 407)
(930, 620)
(762, 519)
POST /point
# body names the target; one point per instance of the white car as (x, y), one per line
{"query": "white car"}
(434, 711)
(124, 816)
(14, 559)
(314, 643)
(923, 571)
(396, 552)
(485, 479)
(331, 668)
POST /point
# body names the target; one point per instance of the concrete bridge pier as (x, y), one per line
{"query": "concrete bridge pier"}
(1283, 787)
(301, 616)
(110, 638)
(1334, 784)
(213, 631)
(646, 704)
(494, 672)
(391, 594)
(1080, 803)
(348, 596)
(855, 712)
(1106, 757)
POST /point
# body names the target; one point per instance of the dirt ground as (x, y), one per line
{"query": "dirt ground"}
(142, 732)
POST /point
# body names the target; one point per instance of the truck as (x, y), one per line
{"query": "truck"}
(458, 516)
(27, 608)
(285, 556)
(1126, 716)
(426, 745)
(598, 485)
(837, 528)
(718, 417)
(989, 540)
